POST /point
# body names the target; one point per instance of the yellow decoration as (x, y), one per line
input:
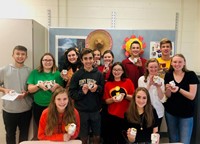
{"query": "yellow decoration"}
(117, 88)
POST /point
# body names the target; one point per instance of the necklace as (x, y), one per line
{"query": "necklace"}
(141, 122)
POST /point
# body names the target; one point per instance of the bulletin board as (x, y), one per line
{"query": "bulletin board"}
(76, 35)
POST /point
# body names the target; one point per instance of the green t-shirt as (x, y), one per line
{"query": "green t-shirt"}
(42, 97)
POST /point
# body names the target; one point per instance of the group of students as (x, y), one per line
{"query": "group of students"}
(108, 100)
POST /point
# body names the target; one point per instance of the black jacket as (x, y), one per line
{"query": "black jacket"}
(90, 102)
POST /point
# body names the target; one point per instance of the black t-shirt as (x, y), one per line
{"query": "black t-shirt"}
(177, 104)
(144, 134)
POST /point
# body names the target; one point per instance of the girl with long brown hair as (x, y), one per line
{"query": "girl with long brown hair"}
(142, 116)
(57, 116)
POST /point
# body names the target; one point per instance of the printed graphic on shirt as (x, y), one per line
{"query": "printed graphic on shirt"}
(117, 90)
(87, 81)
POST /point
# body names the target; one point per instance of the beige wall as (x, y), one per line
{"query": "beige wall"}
(130, 14)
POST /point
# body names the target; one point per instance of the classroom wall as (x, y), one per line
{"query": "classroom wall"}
(182, 15)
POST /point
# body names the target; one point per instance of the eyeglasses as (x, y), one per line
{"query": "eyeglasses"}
(47, 60)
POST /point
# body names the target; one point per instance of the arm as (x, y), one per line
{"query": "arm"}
(191, 93)
(160, 89)
(4, 90)
(131, 89)
(168, 90)
(155, 129)
(77, 125)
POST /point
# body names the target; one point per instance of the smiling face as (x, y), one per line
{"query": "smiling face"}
(117, 72)
(47, 62)
(166, 49)
(72, 56)
(140, 99)
(19, 56)
(108, 58)
(178, 63)
(97, 55)
(61, 102)
(153, 68)
(135, 50)
(88, 61)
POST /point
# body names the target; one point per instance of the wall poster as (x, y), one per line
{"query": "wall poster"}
(63, 42)
(155, 49)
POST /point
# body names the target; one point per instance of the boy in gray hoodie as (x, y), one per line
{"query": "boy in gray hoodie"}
(16, 113)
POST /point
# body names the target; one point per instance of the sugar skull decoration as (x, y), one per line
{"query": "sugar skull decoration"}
(127, 44)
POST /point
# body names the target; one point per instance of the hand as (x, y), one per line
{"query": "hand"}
(64, 76)
(116, 99)
(139, 62)
(155, 138)
(151, 82)
(55, 85)
(131, 138)
(24, 94)
(85, 88)
(94, 88)
(158, 85)
(174, 89)
(42, 86)
(66, 137)
(105, 69)
(6, 91)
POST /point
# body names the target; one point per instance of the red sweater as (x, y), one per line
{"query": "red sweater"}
(119, 108)
(58, 133)
(134, 72)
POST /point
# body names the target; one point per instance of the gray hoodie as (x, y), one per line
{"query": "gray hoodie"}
(15, 78)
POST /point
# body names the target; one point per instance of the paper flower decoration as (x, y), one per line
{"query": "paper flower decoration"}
(128, 41)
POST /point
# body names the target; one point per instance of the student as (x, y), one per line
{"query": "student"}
(108, 58)
(42, 82)
(134, 65)
(97, 57)
(165, 59)
(181, 88)
(16, 113)
(57, 116)
(141, 116)
(155, 85)
(117, 95)
(86, 89)
(72, 63)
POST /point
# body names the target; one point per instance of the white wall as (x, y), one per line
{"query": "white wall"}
(130, 14)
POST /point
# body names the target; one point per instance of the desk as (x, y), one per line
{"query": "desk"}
(51, 142)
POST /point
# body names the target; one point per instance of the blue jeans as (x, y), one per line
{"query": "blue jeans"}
(179, 129)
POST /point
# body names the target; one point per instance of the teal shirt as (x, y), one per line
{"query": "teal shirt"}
(42, 97)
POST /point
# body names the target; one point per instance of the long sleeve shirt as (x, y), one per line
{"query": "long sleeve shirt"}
(59, 131)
